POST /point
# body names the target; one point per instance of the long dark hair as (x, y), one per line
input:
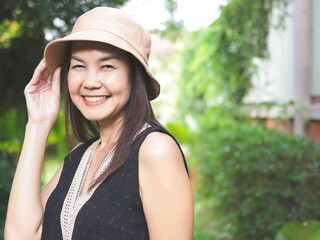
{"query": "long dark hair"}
(137, 112)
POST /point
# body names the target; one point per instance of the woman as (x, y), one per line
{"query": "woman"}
(128, 178)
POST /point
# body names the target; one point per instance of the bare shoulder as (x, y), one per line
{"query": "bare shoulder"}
(165, 188)
(160, 149)
(161, 163)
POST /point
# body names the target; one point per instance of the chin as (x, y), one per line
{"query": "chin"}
(94, 118)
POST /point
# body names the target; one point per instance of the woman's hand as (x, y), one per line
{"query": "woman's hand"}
(43, 95)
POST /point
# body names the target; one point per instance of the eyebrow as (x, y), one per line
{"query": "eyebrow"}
(100, 59)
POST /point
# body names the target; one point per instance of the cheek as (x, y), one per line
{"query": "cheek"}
(72, 84)
(126, 86)
(119, 83)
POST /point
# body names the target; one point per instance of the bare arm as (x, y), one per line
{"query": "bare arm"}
(25, 207)
(165, 189)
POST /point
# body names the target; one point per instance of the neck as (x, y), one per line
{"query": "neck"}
(110, 132)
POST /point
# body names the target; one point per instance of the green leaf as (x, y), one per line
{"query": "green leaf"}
(297, 231)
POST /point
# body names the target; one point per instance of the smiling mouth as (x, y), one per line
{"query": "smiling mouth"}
(95, 98)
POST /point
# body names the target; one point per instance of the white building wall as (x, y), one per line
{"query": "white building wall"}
(274, 81)
(315, 86)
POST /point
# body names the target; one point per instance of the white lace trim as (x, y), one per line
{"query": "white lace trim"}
(73, 201)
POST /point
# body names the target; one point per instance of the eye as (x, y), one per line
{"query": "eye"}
(107, 67)
(77, 66)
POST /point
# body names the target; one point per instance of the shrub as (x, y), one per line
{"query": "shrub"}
(254, 180)
(6, 177)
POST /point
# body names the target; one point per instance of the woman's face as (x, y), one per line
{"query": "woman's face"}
(98, 81)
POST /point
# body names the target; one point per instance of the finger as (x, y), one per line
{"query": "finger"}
(35, 78)
(56, 78)
(38, 72)
(41, 67)
(45, 74)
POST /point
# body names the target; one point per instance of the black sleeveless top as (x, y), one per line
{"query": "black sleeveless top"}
(115, 209)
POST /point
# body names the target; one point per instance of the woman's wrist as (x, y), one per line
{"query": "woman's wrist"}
(39, 128)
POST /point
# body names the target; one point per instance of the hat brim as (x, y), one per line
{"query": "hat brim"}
(55, 51)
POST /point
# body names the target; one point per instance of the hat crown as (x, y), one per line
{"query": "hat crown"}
(119, 24)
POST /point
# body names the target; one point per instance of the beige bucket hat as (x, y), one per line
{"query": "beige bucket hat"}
(107, 25)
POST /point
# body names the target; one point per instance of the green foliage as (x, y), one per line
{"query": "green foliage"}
(12, 130)
(257, 179)
(217, 61)
(11, 134)
(57, 138)
(6, 177)
(180, 132)
(172, 29)
(12, 125)
(205, 227)
(247, 173)
(297, 231)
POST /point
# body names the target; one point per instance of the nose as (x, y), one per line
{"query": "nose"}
(91, 80)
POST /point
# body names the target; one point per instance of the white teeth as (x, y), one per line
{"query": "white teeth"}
(95, 99)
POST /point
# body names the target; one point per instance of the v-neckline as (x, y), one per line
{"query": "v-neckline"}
(73, 201)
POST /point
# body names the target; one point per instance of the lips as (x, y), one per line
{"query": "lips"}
(95, 100)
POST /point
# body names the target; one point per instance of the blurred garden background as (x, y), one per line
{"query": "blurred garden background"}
(240, 91)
